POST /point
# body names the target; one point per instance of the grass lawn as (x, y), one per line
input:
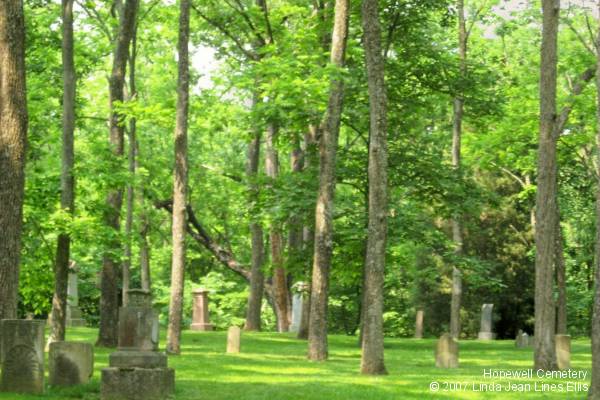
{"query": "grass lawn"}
(274, 367)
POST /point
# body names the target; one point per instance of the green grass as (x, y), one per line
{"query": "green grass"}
(274, 367)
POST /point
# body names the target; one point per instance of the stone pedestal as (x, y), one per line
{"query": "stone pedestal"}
(233, 339)
(74, 315)
(563, 351)
(446, 352)
(200, 318)
(419, 325)
(137, 370)
(22, 356)
(70, 363)
(485, 332)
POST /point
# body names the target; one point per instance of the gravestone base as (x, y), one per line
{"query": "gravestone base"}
(74, 317)
(486, 336)
(202, 327)
(137, 383)
(70, 363)
(139, 359)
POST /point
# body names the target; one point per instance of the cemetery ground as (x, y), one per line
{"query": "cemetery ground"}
(274, 366)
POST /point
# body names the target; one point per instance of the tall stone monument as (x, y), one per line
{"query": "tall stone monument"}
(200, 318)
(22, 356)
(419, 325)
(446, 352)
(563, 351)
(297, 302)
(137, 371)
(73, 311)
(485, 332)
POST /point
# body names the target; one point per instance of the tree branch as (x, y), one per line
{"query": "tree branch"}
(563, 116)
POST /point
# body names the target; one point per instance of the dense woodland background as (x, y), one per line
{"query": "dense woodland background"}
(493, 191)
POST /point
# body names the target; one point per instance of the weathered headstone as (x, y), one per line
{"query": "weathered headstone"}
(73, 311)
(523, 339)
(296, 312)
(200, 318)
(419, 325)
(234, 334)
(22, 356)
(563, 351)
(70, 363)
(137, 371)
(446, 352)
(485, 333)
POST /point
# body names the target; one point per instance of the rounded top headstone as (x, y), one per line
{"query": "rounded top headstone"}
(139, 298)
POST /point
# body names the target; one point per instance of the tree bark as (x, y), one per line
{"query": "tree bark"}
(276, 239)
(317, 331)
(594, 391)
(372, 361)
(131, 155)
(67, 180)
(109, 296)
(561, 279)
(180, 182)
(544, 351)
(458, 105)
(256, 275)
(13, 142)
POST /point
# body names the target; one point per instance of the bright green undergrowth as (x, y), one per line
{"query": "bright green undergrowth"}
(273, 366)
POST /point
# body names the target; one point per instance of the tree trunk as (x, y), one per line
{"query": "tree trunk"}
(13, 142)
(280, 286)
(131, 136)
(561, 279)
(256, 275)
(109, 296)
(594, 391)
(180, 182)
(317, 331)
(544, 351)
(458, 106)
(67, 180)
(372, 343)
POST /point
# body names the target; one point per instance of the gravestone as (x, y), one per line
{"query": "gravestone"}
(563, 351)
(485, 332)
(73, 311)
(297, 301)
(137, 371)
(70, 363)
(22, 356)
(419, 325)
(523, 339)
(233, 339)
(446, 352)
(200, 318)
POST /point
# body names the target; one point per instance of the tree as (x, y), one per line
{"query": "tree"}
(180, 183)
(594, 391)
(13, 139)
(545, 229)
(458, 106)
(372, 343)
(109, 300)
(323, 239)
(256, 276)
(67, 180)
